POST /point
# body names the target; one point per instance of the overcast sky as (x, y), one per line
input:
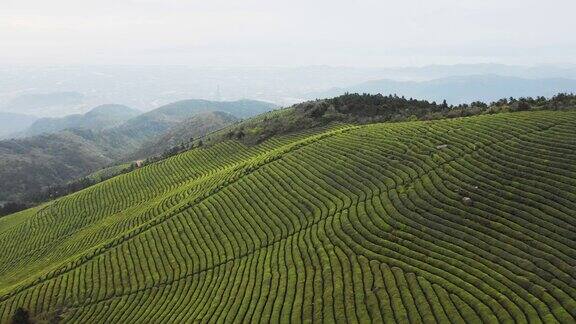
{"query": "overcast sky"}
(287, 33)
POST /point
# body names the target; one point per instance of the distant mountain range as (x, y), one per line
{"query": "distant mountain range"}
(30, 163)
(53, 91)
(45, 104)
(240, 108)
(11, 123)
(161, 119)
(35, 100)
(460, 89)
(99, 118)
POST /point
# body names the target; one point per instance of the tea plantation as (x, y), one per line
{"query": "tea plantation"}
(459, 220)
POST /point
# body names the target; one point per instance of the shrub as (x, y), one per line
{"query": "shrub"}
(21, 316)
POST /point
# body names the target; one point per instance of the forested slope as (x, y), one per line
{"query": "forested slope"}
(31, 167)
(463, 220)
(185, 132)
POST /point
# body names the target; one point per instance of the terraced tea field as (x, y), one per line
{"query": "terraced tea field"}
(461, 220)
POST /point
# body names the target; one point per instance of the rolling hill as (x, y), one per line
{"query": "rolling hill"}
(98, 118)
(456, 220)
(461, 89)
(28, 165)
(153, 123)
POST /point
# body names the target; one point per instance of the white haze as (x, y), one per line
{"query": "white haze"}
(287, 33)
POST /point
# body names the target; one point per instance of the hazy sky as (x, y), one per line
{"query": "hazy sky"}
(288, 32)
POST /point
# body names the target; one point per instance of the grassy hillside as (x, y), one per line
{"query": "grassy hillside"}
(465, 220)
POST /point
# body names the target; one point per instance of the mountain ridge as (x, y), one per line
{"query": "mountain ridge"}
(20, 158)
(98, 118)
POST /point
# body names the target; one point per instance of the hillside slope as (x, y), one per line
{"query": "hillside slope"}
(464, 220)
(194, 127)
(30, 164)
(139, 132)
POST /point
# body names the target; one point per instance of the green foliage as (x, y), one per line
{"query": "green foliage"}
(21, 316)
(30, 164)
(12, 207)
(179, 137)
(109, 172)
(365, 108)
(344, 223)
